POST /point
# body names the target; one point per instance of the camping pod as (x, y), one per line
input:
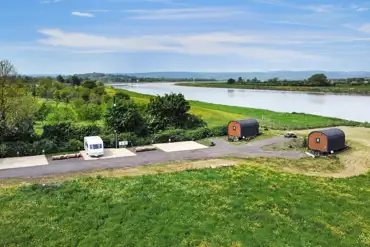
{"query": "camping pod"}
(327, 141)
(243, 128)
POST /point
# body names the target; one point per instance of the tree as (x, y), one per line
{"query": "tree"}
(100, 90)
(125, 118)
(240, 80)
(319, 80)
(90, 112)
(7, 75)
(62, 114)
(231, 81)
(255, 80)
(89, 84)
(75, 80)
(60, 79)
(123, 96)
(170, 110)
(42, 112)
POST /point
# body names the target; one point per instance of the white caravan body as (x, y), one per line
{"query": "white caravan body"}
(94, 146)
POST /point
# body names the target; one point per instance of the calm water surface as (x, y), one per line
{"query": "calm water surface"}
(351, 107)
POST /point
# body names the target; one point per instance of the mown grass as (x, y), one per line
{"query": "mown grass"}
(216, 115)
(245, 205)
(340, 89)
(266, 134)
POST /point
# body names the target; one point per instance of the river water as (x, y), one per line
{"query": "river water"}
(351, 107)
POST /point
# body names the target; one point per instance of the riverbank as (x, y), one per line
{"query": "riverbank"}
(342, 89)
(218, 115)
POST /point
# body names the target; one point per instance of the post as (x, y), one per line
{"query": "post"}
(115, 131)
(114, 112)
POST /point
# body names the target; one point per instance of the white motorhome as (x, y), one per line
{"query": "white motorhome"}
(94, 146)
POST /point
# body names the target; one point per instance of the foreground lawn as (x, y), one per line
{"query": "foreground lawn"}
(218, 115)
(346, 89)
(246, 205)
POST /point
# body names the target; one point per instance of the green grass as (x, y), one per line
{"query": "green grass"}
(246, 205)
(216, 115)
(342, 89)
(265, 134)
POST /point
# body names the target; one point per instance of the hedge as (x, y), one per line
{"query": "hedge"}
(66, 137)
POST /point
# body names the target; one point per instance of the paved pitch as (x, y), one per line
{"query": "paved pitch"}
(110, 153)
(19, 162)
(179, 146)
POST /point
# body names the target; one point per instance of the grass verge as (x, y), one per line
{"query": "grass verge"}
(246, 205)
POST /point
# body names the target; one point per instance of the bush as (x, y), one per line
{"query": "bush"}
(79, 132)
(198, 134)
(75, 145)
(3, 151)
(219, 131)
(61, 132)
(108, 140)
(175, 135)
(47, 145)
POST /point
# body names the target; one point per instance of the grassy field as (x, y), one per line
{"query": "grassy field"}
(246, 205)
(217, 115)
(341, 89)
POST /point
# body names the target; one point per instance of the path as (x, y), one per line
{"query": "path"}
(222, 149)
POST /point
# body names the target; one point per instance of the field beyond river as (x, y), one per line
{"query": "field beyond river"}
(338, 89)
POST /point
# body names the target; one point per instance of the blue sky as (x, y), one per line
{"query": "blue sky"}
(77, 36)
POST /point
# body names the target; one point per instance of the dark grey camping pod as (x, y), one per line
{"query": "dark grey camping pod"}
(327, 140)
(243, 128)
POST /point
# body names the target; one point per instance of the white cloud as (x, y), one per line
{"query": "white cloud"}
(184, 13)
(365, 28)
(82, 14)
(321, 7)
(246, 46)
(361, 9)
(51, 1)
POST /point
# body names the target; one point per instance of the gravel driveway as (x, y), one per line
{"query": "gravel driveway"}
(222, 149)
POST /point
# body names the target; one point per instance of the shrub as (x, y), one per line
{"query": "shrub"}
(219, 131)
(47, 145)
(79, 132)
(3, 151)
(108, 140)
(61, 132)
(174, 134)
(198, 134)
(75, 145)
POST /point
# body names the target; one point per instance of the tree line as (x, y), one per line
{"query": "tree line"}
(135, 79)
(314, 80)
(74, 107)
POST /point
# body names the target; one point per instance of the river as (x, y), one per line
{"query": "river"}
(350, 107)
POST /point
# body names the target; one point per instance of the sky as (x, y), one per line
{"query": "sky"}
(122, 36)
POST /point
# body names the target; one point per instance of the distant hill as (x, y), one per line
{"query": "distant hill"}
(288, 75)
